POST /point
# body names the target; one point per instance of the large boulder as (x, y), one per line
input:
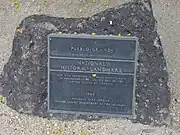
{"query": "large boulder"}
(24, 78)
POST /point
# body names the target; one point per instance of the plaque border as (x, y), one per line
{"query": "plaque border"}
(88, 36)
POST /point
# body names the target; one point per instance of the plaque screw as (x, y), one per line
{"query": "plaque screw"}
(94, 75)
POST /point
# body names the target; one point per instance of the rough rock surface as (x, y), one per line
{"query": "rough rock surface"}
(24, 78)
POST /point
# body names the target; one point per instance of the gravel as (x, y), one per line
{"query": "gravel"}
(13, 123)
(167, 14)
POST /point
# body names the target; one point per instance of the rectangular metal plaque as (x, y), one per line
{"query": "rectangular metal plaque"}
(92, 75)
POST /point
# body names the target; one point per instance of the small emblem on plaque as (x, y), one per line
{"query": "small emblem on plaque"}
(93, 75)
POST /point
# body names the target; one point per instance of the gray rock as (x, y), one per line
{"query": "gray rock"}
(24, 78)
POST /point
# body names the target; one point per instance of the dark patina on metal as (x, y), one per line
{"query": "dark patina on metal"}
(93, 75)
